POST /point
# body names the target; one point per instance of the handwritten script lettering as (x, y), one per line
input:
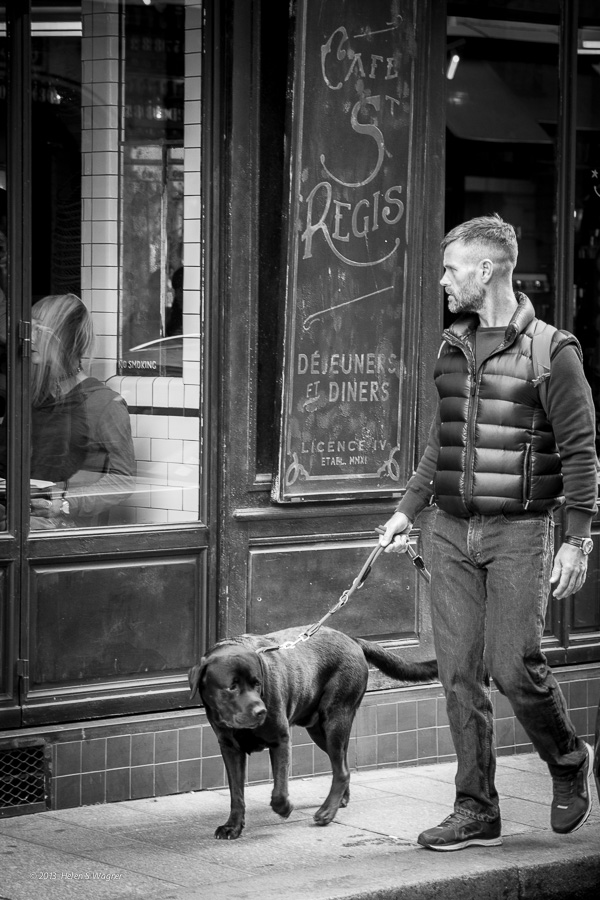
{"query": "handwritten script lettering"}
(337, 219)
(346, 273)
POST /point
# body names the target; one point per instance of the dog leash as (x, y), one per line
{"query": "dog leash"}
(345, 596)
(417, 560)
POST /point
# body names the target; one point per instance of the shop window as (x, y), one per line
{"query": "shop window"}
(585, 623)
(153, 190)
(275, 61)
(502, 113)
(502, 135)
(116, 120)
(587, 198)
(3, 249)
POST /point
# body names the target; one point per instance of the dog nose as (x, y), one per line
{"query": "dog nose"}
(260, 713)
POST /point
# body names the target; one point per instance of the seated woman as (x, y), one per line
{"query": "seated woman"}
(80, 429)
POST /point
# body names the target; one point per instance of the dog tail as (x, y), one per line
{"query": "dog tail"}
(395, 667)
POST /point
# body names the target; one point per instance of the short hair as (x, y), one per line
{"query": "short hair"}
(69, 336)
(486, 233)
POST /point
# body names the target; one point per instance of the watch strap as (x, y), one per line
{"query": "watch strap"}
(585, 544)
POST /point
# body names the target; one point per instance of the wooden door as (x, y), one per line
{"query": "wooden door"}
(285, 564)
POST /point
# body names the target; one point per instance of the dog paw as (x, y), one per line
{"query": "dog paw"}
(324, 815)
(228, 832)
(282, 806)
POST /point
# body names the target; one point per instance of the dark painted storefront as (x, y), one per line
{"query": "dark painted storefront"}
(249, 198)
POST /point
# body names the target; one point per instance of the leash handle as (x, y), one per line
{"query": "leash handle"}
(366, 569)
(417, 560)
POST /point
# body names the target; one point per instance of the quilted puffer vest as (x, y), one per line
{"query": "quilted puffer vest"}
(497, 449)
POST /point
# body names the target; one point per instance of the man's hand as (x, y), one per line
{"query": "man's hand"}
(570, 570)
(395, 536)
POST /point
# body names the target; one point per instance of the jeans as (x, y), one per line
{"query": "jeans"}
(490, 580)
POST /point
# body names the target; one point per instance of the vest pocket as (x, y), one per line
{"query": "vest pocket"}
(527, 476)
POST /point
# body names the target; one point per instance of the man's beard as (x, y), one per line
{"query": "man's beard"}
(471, 298)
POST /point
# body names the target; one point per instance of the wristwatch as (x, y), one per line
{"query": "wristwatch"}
(586, 545)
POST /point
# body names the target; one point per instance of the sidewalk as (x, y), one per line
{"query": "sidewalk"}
(165, 849)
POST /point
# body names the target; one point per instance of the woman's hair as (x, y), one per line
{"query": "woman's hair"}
(66, 335)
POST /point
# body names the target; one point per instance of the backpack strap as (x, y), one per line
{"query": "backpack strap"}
(544, 342)
(540, 357)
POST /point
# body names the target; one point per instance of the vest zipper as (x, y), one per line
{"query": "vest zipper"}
(527, 477)
(469, 448)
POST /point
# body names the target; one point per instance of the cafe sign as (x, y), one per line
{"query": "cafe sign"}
(344, 429)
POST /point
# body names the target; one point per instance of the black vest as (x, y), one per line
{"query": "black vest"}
(497, 449)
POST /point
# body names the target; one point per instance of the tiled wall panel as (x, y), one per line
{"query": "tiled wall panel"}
(151, 756)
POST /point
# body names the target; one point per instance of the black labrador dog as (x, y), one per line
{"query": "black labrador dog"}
(253, 695)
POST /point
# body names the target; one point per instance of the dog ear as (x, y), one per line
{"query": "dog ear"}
(195, 677)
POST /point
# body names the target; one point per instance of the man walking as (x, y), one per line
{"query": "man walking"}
(496, 465)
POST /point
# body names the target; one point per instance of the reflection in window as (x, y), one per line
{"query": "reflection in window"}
(56, 157)
(273, 84)
(152, 182)
(82, 460)
(3, 249)
(587, 201)
(116, 126)
(502, 90)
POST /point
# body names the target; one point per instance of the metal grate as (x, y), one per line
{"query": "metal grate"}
(23, 779)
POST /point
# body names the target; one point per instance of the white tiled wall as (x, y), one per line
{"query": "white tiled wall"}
(167, 446)
(100, 180)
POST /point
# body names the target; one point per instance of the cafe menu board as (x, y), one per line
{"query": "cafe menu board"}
(342, 429)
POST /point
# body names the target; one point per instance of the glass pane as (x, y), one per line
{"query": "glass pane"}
(3, 267)
(502, 90)
(587, 200)
(274, 59)
(117, 620)
(116, 139)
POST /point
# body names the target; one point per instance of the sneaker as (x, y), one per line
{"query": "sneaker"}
(572, 802)
(459, 831)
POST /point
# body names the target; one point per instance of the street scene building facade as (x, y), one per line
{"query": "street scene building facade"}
(249, 197)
